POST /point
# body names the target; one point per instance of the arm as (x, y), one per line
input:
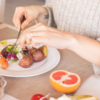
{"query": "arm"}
(43, 16)
(51, 21)
(87, 48)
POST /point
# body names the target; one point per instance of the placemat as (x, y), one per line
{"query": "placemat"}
(24, 88)
(8, 97)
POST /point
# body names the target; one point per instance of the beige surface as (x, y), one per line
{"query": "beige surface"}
(24, 88)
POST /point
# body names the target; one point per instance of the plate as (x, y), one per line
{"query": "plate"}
(50, 62)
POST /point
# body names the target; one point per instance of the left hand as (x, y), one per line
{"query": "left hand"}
(85, 47)
(46, 35)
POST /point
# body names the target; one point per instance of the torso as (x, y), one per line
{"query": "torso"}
(78, 16)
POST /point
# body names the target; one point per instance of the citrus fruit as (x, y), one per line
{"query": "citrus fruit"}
(64, 81)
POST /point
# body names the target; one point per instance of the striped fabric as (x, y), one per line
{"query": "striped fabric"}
(76, 16)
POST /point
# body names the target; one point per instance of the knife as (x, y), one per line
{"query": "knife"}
(15, 45)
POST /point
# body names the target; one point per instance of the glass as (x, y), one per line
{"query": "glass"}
(3, 83)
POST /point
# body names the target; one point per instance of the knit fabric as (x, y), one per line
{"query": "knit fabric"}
(76, 16)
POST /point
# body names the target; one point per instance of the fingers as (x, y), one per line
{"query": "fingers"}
(39, 37)
(33, 27)
(38, 40)
(29, 20)
(34, 37)
(21, 41)
(32, 34)
(28, 38)
(19, 12)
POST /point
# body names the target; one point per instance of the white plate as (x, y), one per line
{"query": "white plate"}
(50, 62)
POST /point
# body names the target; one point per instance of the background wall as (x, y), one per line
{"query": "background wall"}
(12, 4)
(47, 1)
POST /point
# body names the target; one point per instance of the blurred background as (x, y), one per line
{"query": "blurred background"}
(10, 6)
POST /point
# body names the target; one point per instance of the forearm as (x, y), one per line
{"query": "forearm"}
(43, 15)
(87, 48)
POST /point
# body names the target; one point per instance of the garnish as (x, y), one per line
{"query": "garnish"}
(3, 42)
(15, 60)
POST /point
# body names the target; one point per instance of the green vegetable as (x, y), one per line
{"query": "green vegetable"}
(18, 48)
(16, 51)
(10, 49)
(7, 49)
(15, 60)
(3, 42)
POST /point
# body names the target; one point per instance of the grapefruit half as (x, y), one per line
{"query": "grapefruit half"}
(64, 81)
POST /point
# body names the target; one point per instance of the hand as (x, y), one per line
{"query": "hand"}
(31, 14)
(41, 33)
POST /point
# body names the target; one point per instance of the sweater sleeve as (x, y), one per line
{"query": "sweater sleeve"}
(98, 39)
(51, 21)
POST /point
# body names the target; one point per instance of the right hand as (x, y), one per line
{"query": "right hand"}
(31, 14)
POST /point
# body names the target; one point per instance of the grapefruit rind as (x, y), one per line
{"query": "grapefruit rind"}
(63, 88)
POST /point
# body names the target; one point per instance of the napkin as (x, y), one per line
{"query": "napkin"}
(8, 97)
(91, 87)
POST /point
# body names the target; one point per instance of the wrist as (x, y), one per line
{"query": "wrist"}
(43, 12)
(71, 41)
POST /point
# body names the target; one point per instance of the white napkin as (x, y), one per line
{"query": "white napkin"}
(91, 87)
(8, 97)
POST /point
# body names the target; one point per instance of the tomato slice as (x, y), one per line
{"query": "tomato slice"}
(37, 97)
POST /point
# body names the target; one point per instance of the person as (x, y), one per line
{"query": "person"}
(63, 24)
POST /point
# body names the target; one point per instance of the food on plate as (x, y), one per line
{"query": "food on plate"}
(29, 55)
(20, 55)
(85, 97)
(3, 62)
(26, 61)
(90, 98)
(26, 56)
(33, 50)
(3, 42)
(82, 97)
(63, 97)
(38, 97)
(37, 55)
(9, 53)
(64, 81)
(2, 46)
(44, 50)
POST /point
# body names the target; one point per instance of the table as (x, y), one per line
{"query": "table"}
(24, 88)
